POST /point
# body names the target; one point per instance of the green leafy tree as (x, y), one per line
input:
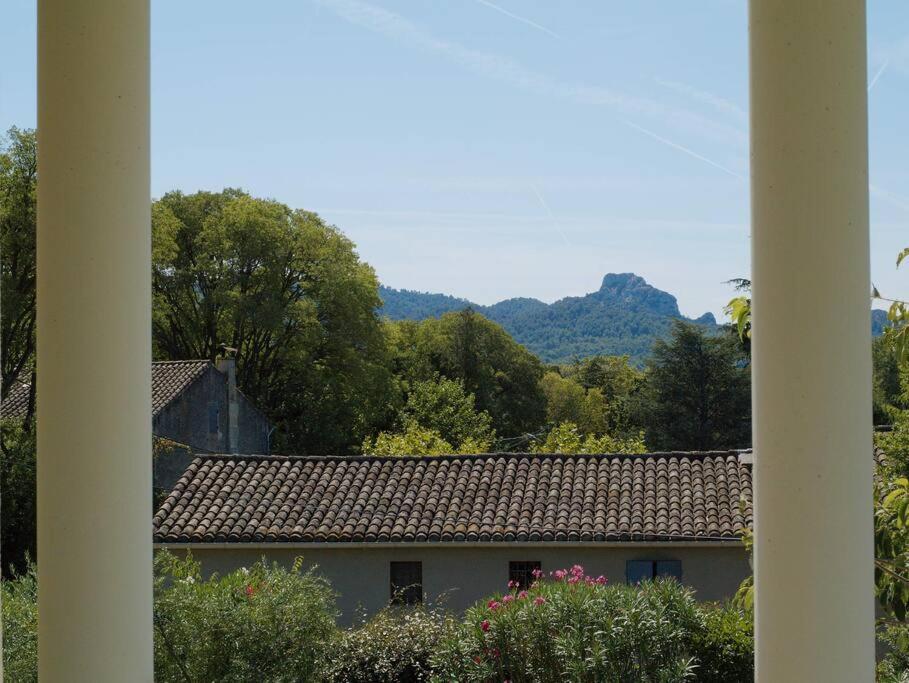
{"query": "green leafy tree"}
(414, 439)
(889, 401)
(568, 401)
(613, 381)
(289, 293)
(564, 398)
(698, 392)
(18, 221)
(501, 374)
(18, 497)
(443, 406)
(567, 439)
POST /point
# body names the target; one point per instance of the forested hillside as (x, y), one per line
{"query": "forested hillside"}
(624, 317)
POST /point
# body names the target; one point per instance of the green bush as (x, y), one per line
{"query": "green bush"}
(575, 628)
(894, 667)
(724, 646)
(18, 537)
(264, 623)
(20, 627)
(394, 646)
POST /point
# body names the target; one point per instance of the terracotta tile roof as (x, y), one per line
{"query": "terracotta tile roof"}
(15, 406)
(169, 379)
(474, 498)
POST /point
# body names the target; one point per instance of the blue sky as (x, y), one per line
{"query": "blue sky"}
(489, 148)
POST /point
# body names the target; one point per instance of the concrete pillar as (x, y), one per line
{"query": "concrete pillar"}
(811, 342)
(94, 349)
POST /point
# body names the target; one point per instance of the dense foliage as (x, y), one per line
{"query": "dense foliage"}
(18, 222)
(568, 438)
(264, 623)
(502, 375)
(275, 625)
(698, 392)
(573, 627)
(18, 500)
(289, 293)
(624, 317)
(19, 598)
(395, 646)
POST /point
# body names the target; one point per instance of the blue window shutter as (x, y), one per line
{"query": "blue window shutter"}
(671, 568)
(638, 570)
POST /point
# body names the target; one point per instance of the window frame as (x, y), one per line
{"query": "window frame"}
(405, 594)
(671, 568)
(522, 572)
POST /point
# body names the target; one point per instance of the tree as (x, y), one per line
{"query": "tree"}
(888, 398)
(443, 406)
(290, 295)
(617, 382)
(568, 401)
(415, 439)
(501, 374)
(18, 204)
(18, 523)
(567, 439)
(698, 392)
(564, 398)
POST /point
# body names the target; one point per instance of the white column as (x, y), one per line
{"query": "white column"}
(811, 344)
(94, 350)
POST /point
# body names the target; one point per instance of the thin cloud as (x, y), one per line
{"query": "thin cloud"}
(506, 70)
(523, 20)
(681, 148)
(721, 104)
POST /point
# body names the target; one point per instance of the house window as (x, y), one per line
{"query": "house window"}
(522, 573)
(406, 583)
(647, 570)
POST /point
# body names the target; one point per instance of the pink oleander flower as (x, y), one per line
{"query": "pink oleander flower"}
(537, 573)
(573, 580)
(249, 591)
(577, 570)
(507, 598)
(484, 625)
(522, 595)
(493, 604)
(601, 580)
(539, 600)
(512, 585)
(559, 574)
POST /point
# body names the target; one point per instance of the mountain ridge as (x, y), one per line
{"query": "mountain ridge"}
(625, 316)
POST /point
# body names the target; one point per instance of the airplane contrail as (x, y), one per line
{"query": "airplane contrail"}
(880, 72)
(523, 20)
(687, 151)
(549, 211)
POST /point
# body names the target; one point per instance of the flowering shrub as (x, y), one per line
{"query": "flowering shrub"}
(570, 626)
(264, 623)
(20, 627)
(393, 647)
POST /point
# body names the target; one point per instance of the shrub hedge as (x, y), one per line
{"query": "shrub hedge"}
(267, 623)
